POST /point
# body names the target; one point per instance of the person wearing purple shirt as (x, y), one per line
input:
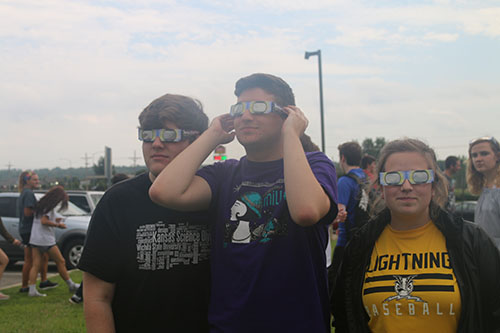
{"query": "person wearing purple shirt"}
(271, 212)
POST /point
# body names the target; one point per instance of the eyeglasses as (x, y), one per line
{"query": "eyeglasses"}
(491, 139)
(415, 177)
(255, 107)
(166, 134)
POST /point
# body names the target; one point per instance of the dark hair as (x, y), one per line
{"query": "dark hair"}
(307, 144)
(367, 160)
(271, 84)
(118, 178)
(450, 161)
(23, 179)
(50, 200)
(185, 112)
(439, 187)
(351, 152)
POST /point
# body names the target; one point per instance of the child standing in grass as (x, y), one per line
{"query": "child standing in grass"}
(43, 237)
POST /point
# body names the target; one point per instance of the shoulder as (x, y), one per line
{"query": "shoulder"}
(127, 189)
(317, 156)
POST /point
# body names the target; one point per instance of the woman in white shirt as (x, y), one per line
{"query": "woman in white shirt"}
(43, 237)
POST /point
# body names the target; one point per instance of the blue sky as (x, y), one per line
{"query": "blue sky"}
(74, 75)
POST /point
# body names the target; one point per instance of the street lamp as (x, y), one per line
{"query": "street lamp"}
(307, 55)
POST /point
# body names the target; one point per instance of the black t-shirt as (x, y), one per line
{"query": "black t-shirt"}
(156, 257)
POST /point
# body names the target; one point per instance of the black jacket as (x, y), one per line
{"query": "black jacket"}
(474, 258)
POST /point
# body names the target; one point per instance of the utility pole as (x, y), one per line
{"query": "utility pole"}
(134, 159)
(86, 158)
(9, 165)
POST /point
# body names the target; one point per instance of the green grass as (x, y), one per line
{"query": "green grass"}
(53, 313)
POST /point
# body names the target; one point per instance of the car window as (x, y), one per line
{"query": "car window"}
(96, 197)
(73, 210)
(80, 201)
(8, 207)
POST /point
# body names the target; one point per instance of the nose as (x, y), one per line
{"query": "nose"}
(406, 186)
(246, 115)
(157, 143)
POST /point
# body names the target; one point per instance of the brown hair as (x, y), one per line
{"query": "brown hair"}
(352, 152)
(307, 144)
(50, 200)
(185, 112)
(271, 84)
(475, 179)
(23, 179)
(439, 187)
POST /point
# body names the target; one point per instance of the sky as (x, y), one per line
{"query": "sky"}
(74, 75)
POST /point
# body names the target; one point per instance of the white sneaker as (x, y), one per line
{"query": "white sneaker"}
(36, 294)
(74, 287)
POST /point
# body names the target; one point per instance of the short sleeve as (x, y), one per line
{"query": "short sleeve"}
(29, 201)
(345, 189)
(324, 171)
(101, 253)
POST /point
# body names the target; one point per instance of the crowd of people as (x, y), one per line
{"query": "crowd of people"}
(239, 246)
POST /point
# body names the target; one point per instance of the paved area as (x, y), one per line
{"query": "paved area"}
(12, 275)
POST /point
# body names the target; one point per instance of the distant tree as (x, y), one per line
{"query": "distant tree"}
(373, 148)
(99, 167)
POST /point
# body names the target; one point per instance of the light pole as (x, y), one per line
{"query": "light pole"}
(307, 55)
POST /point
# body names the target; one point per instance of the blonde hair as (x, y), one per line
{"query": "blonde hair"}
(23, 179)
(440, 190)
(475, 179)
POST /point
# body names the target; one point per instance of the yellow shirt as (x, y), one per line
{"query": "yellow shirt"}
(410, 285)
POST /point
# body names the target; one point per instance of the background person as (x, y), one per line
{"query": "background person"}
(146, 267)
(4, 260)
(452, 166)
(43, 237)
(483, 177)
(369, 164)
(28, 181)
(415, 267)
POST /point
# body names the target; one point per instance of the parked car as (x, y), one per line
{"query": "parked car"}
(86, 200)
(466, 209)
(70, 240)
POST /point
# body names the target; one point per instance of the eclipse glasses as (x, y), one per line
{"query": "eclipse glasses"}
(255, 107)
(415, 177)
(166, 134)
(485, 139)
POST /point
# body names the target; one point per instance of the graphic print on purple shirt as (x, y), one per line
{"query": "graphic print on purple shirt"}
(268, 273)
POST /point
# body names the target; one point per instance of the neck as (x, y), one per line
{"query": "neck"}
(348, 168)
(268, 153)
(152, 177)
(405, 222)
(448, 173)
(490, 177)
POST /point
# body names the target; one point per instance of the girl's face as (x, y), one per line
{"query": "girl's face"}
(33, 182)
(483, 157)
(408, 201)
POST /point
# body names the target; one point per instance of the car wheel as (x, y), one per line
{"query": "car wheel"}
(72, 252)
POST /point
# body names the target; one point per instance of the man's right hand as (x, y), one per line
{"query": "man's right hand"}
(222, 127)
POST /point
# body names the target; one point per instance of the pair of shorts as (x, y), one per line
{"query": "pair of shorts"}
(25, 239)
(42, 248)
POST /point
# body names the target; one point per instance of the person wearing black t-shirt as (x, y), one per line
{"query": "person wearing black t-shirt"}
(146, 267)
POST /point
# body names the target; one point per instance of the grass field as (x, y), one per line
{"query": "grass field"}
(53, 313)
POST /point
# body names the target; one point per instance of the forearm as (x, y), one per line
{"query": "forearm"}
(5, 234)
(307, 201)
(97, 296)
(171, 186)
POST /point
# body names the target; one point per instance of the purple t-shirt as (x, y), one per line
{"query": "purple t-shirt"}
(268, 273)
